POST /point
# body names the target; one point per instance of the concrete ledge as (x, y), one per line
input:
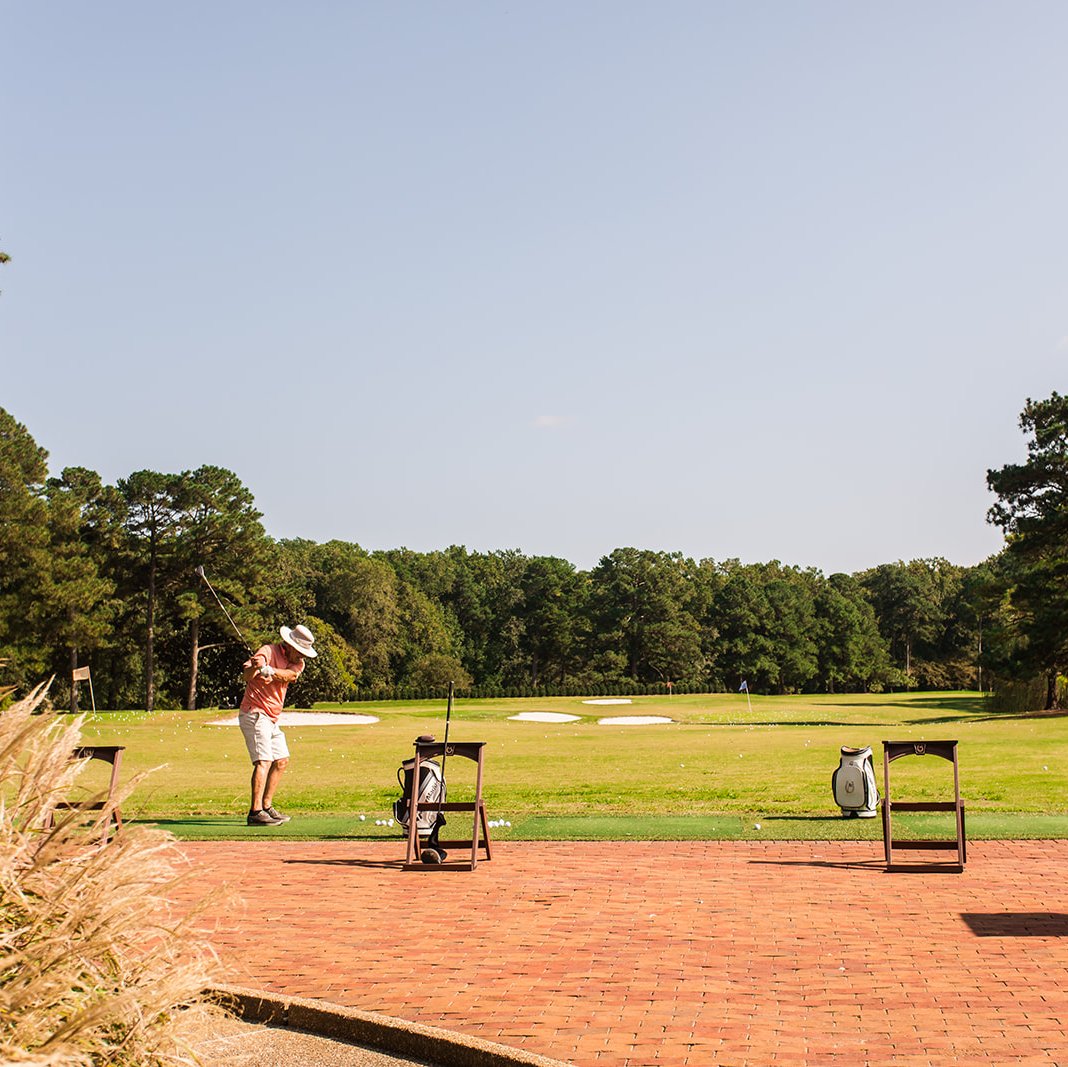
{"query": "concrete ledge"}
(441, 1047)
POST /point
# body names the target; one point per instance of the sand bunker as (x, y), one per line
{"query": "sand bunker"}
(543, 716)
(634, 720)
(613, 700)
(310, 718)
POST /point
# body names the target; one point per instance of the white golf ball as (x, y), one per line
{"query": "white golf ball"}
(507, 824)
(390, 822)
(756, 826)
(362, 817)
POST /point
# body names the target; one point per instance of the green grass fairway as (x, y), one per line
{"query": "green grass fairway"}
(715, 772)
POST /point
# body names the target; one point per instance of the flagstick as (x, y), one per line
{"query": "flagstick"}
(748, 701)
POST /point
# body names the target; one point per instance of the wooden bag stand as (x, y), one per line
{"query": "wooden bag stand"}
(109, 754)
(893, 750)
(471, 750)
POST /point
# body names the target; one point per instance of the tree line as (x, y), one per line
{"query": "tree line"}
(106, 576)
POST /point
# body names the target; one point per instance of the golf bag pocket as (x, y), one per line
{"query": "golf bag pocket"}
(853, 783)
(431, 791)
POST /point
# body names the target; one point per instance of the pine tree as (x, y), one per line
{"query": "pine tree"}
(1032, 509)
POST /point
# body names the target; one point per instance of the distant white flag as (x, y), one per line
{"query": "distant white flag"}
(745, 686)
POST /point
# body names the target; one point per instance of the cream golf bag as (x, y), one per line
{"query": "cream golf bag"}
(853, 784)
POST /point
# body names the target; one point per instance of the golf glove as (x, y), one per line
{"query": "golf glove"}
(266, 671)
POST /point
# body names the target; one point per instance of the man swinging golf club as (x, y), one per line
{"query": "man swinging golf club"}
(267, 675)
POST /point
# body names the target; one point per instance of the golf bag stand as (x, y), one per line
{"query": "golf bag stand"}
(432, 851)
(431, 792)
(853, 784)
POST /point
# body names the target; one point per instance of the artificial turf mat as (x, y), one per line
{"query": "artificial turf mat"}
(325, 827)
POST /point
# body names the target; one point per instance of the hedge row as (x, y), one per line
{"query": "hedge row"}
(604, 689)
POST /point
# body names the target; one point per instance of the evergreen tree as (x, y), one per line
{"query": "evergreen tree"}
(640, 615)
(908, 605)
(152, 524)
(74, 605)
(1032, 509)
(24, 560)
(553, 593)
(851, 653)
(219, 529)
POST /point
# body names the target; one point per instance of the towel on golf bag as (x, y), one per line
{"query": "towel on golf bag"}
(853, 782)
(431, 791)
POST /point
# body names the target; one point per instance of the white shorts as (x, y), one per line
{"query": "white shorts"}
(263, 736)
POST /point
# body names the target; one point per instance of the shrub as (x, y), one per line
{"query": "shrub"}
(1019, 697)
(94, 967)
(433, 672)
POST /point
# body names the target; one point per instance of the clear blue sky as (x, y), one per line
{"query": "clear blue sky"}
(757, 280)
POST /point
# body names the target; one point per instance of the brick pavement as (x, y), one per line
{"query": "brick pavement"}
(682, 954)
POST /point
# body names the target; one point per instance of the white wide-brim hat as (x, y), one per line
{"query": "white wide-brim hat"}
(300, 638)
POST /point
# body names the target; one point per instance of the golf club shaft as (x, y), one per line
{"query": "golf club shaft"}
(204, 577)
(445, 746)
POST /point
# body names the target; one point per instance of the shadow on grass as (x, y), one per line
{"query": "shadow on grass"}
(972, 704)
(1053, 713)
(208, 821)
(957, 709)
(838, 819)
(789, 722)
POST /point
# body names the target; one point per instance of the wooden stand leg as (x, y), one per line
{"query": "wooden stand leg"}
(413, 814)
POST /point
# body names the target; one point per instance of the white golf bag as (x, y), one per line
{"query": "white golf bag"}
(853, 784)
(431, 791)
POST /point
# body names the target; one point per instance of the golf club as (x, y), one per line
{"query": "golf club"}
(448, 716)
(432, 852)
(200, 574)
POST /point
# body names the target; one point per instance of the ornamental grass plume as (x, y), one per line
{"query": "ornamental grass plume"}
(95, 967)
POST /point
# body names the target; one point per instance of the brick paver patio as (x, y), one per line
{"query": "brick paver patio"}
(680, 953)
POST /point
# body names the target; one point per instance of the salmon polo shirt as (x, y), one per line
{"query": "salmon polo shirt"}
(267, 694)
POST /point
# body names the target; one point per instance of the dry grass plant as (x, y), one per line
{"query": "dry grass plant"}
(95, 966)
